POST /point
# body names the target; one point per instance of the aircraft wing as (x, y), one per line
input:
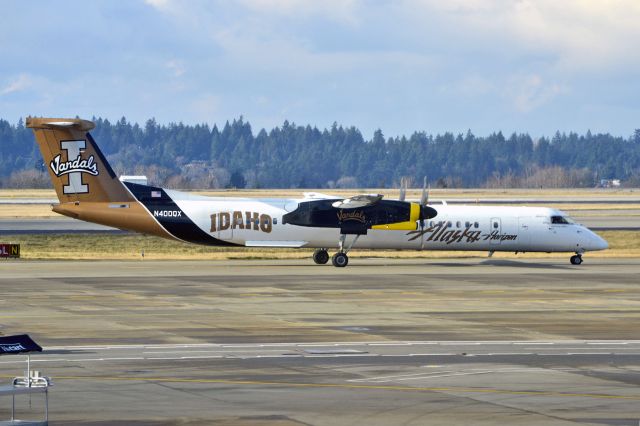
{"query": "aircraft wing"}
(318, 196)
(279, 244)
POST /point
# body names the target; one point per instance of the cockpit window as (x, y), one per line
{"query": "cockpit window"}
(561, 220)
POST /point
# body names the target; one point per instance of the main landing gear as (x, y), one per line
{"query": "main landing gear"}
(576, 259)
(320, 256)
(340, 259)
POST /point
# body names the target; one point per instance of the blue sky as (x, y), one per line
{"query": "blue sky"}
(533, 66)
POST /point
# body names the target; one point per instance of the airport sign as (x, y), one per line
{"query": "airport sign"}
(9, 250)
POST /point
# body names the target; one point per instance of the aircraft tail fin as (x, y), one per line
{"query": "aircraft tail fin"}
(77, 167)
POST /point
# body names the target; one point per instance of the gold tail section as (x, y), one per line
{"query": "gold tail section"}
(87, 187)
(77, 168)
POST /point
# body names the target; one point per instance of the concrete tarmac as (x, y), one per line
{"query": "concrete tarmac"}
(380, 342)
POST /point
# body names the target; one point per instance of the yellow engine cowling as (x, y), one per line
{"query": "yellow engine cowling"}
(409, 225)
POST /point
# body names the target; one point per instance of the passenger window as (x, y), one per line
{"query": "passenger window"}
(476, 225)
(458, 224)
(495, 225)
(467, 224)
(275, 220)
(449, 224)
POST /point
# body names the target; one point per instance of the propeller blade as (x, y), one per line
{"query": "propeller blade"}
(422, 220)
(403, 189)
(426, 212)
(424, 199)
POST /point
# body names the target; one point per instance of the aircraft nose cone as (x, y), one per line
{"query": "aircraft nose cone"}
(601, 244)
(596, 242)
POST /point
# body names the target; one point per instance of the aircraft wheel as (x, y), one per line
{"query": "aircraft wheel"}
(340, 260)
(320, 256)
(576, 259)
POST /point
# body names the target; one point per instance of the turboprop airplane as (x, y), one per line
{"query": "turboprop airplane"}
(89, 190)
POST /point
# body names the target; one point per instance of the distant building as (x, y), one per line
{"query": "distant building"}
(609, 183)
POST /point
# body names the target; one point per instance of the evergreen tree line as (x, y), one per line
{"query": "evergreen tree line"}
(292, 156)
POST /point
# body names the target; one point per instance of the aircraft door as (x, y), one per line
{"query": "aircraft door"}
(496, 229)
(524, 237)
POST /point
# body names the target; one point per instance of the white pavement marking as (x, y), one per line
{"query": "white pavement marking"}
(390, 344)
(313, 344)
(245, 351)
(201, 357)
(589, 353)
(552, 354)
(393, 377)
(432, 354)
(209, 351)
(446, 373)
(507, 353)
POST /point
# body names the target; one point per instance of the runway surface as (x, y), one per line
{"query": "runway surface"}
(381, 342)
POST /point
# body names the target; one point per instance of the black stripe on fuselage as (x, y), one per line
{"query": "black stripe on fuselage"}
(100, 155)
(171, 217)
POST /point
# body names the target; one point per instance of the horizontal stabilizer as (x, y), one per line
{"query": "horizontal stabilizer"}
(318, 196)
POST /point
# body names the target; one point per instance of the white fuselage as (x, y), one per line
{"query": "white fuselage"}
(258, 223)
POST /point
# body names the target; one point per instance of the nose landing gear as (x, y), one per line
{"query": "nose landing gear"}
(576, 259)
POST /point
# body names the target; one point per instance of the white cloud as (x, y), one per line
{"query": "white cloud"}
(205, 12)
(265, 48)
(400, 65)
(18, 84)
(598, 34)
(162, 5)
(595, 34)
(176, 67)
(529, 92)
(470, 85)
(344, 11)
